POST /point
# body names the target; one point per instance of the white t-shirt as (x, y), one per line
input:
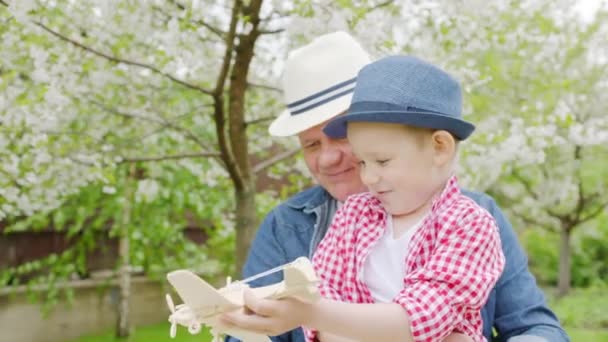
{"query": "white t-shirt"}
(384, 268)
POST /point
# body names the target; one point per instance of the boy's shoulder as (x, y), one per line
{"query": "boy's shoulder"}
(464, 209)
(361, 200)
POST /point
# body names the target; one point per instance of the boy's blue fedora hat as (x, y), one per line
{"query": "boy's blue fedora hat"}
(405, 90)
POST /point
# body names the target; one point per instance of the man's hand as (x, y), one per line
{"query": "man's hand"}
(270, 317)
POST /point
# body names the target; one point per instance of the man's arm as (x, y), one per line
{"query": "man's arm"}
(520, 307)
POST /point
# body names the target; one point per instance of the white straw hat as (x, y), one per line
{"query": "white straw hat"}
(318, 82)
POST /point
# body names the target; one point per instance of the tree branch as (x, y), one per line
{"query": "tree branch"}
(268, 32)
(279, 157)
(157, 120)
(219, 114)
(123, 61)
(263, 86)
(260, 120)
(530, 190)
(215, 31)
(74, 133)
(169, 157)
(126, 115)
(525, 183)
(237, 91)
(582, 201)
(77, 161)
(380, 5)
(229, 41)
(593, 214)
(532, 221)
(150, 133)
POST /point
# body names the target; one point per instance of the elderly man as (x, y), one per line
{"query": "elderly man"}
(318, 81)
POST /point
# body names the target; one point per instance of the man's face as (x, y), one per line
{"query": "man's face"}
(331, 163)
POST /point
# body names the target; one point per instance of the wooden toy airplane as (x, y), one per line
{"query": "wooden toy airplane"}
(203, 303)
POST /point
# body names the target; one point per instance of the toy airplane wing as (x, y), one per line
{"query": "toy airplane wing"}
(207, 302)
(196, 293)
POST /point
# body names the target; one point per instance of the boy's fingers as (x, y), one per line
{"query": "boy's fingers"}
(259, 306)
(255, 323)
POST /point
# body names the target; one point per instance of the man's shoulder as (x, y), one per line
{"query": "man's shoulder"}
(297, 212)
(307, 199)
(482, 199)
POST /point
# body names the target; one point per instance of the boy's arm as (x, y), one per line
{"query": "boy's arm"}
(520, 308)
(340, 321)
(360, 322)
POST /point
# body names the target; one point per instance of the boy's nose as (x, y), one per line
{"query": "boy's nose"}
(368, 177)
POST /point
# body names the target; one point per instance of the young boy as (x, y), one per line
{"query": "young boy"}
(413, 239)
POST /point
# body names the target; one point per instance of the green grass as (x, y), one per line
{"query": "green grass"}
(153, 333)
(582, 308)
(587, 335)
(583, 313)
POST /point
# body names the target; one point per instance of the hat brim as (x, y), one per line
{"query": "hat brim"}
(461, 129)
(287, 124)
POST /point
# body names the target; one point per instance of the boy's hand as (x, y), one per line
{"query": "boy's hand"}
(270, 317)
(456, 337)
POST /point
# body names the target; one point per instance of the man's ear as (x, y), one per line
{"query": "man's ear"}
(444, 147)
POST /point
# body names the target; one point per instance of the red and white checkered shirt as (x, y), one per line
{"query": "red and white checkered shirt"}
(453, 262)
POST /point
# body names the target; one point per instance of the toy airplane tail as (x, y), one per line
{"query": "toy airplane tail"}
(300, 281)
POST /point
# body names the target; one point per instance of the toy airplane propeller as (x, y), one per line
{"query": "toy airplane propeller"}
(203, 303)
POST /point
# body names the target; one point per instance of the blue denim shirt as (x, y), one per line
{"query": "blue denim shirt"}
(516, 306)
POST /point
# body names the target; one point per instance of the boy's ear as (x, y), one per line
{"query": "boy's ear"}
(444, 147)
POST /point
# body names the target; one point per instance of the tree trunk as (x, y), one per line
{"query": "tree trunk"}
(122, 321)
(246, 223)
(122, 324)
(241, 173)
(563, 285)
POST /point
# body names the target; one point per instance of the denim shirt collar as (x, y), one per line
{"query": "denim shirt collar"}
(309, 199)
(318, 202)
